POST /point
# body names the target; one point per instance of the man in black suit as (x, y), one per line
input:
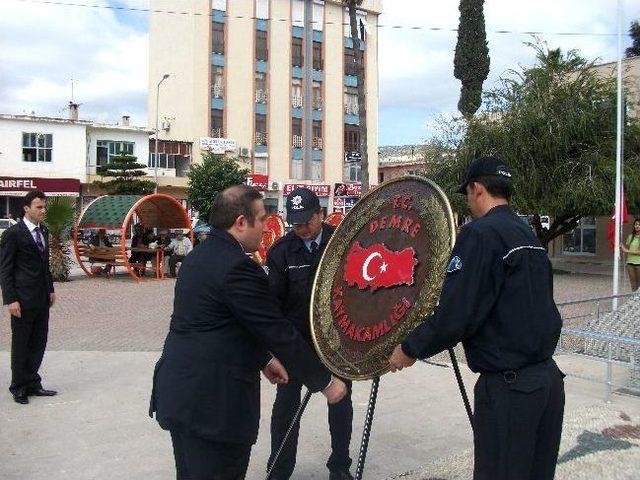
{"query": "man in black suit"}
(225, 328)
(27, 288)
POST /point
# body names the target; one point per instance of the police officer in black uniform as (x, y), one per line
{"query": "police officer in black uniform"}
(497, 300)
(292, 263)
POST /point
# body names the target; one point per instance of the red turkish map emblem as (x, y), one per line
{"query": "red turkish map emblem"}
(378, 267)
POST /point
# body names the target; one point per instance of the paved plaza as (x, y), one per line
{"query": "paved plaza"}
(106, 335)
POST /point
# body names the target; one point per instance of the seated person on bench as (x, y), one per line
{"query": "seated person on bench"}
(101, 241)
(141, 239)
(180, 247)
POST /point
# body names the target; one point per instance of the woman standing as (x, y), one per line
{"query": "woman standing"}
(632, 249)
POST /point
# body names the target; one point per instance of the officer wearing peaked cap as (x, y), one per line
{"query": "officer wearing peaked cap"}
(497, 299)
(292, 263)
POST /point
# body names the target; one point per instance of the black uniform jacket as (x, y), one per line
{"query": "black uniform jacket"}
(224, 323)
(292, 269)
(497, 298)
(24, 273)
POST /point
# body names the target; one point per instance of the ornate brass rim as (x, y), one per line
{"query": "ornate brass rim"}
(442, 239)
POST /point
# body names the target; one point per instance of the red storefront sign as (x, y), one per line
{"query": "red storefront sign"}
(259, 182)
(347, 189)
(57, 187)
(319, 190)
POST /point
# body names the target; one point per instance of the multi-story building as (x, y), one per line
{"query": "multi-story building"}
(270, 81)
(60, 155)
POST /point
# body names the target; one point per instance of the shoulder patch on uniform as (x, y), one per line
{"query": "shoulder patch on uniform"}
(455, 264)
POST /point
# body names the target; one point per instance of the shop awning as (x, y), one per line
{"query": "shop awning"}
(52, 187)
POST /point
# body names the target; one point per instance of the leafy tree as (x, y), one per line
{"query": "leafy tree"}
(125, 176)
(362, 98)
(555, 125)
(214, 174)
(634, 33)
(471, 61)
(60, 217)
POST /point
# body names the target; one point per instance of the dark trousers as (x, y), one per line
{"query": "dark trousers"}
(518, 423)
(284, 409)
(28, 342)
(200, 459)
(173, 261)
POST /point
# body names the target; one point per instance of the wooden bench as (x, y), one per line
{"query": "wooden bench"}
(101, 255)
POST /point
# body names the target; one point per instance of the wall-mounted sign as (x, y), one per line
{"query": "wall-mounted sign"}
(218, 144)
(55, 187)
(319, 190)
(352, 157)
(347, 189)
(259, 182)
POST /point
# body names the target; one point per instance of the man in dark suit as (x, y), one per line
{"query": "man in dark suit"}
(225, 328)
(27, 288)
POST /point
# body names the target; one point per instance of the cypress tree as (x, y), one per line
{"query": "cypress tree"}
(471, 62)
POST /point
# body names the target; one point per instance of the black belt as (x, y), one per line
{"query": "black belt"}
(510, 376)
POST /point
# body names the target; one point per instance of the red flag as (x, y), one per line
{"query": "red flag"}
(611, 230)
(377, 266)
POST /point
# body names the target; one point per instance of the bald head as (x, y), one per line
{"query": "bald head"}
(232, 203)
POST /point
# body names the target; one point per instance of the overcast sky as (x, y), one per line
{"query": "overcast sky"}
(43, 46)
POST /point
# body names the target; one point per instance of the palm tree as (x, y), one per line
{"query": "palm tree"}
(60, 217)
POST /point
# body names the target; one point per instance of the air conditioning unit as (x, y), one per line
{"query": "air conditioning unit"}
(166, 125)
(244, 152)
(276, 186)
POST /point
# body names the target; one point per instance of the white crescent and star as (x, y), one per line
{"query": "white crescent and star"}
(365, 266)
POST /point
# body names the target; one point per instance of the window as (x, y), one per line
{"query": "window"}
(297, 55)
(351, 101)
(352, 172)
(261, 129)
(351, 138)
(296, 93)
(260, 165)
(262, 52)
(37, 147)
(350, 62)
(317, 129)
(165, 160)
(106, 149)
(217, 128)
(261, 87)
(296, 172)
(217, 79)
(582, 239)
(316, 170)
(218, 38)
(297, 126)
(318, 63)
(317, 95)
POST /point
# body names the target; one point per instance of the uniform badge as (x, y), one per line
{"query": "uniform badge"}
(296, 203)
(454, 265)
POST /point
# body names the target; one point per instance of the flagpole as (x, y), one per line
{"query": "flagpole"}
(618, 215)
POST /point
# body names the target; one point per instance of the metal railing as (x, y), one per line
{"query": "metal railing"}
(261, 96)
(261, 138)
(217, 91)
(317, 143)
(351, 108)
(217, 132)
(588, 334)
(297, 141)
(296, 101)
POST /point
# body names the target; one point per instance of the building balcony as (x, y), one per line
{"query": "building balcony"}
(261, 138)
(261, 96)
(296, 101)
(297, 141)
(217, 132)
(317, 104)
(317, 143)
(217, 91)
(351, 108)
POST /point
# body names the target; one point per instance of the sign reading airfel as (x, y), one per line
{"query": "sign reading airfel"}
(380, 275)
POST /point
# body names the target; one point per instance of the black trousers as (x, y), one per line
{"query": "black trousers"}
(28, 343)
(518, 423)
(173, 261)
(284, 409)
(200, 459)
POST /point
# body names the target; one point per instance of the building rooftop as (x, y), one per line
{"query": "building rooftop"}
(88, 123)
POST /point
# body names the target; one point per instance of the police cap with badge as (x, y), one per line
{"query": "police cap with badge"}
(486, 167)
(301, 204)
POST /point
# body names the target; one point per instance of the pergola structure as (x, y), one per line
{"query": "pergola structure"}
(117, 212)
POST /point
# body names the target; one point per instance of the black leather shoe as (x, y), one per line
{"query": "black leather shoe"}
(21, 398)
(41, 392)
(340, 476)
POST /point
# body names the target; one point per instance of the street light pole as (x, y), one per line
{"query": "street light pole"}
(155, 162)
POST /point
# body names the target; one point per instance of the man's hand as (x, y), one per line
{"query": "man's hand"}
(275, 372)
(399, 360)
(14, 309)
(335, 391)
(52, 299)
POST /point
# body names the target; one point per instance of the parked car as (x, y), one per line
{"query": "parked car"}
(4, 224)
